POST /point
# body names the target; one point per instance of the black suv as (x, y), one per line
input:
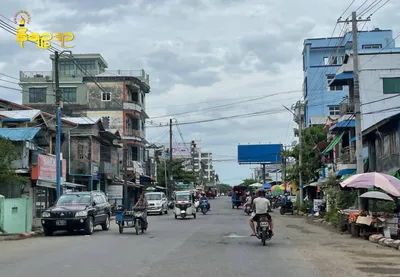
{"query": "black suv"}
(77, 211)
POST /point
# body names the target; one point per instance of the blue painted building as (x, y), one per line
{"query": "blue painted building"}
(322, 57)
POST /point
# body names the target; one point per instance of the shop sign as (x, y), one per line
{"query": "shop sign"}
(137, 178)
(47, 168)
(114, 192)
(42, 40)
(95, 170)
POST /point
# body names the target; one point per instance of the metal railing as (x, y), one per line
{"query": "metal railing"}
(35, 74)
(134, 133)
(347, 156)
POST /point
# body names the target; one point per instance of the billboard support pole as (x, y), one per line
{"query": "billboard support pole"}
(264, 177)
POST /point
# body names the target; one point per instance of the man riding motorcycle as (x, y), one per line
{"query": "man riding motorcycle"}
(261, 206)
(204, 197)
(142, 204)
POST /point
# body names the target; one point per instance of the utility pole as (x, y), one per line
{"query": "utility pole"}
(125, 166)
(300, 107)
(170, 157)
(58, 119)
(355, 100)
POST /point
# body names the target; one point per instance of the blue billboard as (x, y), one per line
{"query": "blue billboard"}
(259, 153)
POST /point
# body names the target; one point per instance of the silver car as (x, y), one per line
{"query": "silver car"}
(157, 202)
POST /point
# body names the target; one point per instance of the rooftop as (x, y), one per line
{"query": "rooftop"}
(83, 120)
(21, 114)
(19, 134)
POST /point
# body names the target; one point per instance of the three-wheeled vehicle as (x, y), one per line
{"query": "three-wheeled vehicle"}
(131, 219)
(238, 196)
(184, 204)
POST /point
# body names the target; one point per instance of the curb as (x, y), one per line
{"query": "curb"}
(25, 235)
(19, 236)
(381, 240)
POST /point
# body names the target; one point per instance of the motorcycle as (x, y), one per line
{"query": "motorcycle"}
(139, 222)
(204, 208)
(263, 228)
(247, 208)
(197, 204)
(171, 204)
(286, 208)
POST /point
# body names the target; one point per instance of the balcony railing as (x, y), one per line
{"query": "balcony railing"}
(141, 74)
(134, 133)
(347, 156)
(132, 106)
(346, 108)
(32, 75)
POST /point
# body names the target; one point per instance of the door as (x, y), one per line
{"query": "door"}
(99, 216)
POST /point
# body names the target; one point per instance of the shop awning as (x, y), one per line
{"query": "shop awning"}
(346, 172)
(343, 124)
(333, 143)
(73, 185)
(342, 79)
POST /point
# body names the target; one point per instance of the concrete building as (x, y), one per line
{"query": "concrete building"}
(118, 97)
(322, 57)
(379, 77)
(207, 162)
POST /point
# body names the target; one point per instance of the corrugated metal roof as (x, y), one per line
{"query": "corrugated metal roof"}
(83, 120)
(318, 120)
(21, 114)
(19, 134)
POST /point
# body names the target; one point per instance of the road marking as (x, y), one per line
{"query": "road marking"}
(235, 236)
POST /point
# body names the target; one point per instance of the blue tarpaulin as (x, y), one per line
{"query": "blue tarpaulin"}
(267, 185)
(346, 172)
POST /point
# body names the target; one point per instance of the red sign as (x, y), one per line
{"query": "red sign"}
(46, 168)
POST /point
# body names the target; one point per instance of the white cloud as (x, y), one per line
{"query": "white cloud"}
(219, 51)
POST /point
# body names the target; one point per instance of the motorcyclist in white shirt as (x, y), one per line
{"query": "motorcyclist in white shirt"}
(261, 206)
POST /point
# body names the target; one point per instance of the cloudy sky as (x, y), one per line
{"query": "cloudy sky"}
(207, 59)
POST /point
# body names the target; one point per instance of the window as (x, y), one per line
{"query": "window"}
(68, 94)
(106, 96)
(372, 46)
(337, 60)
(37, 95)
(67, 68)
(391, 85)
(326, 60)
(80, 151)
(85, 66)
(334, 110)
(329, 79)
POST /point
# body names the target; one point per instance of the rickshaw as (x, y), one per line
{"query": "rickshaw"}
(238, 196)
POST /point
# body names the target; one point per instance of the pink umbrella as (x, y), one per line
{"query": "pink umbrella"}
(383, 181)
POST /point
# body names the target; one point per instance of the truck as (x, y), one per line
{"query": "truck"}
(211, 192)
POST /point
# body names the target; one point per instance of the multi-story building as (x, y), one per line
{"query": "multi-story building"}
(118, 97)
(379, 83)
(206, 162)
(322, 57)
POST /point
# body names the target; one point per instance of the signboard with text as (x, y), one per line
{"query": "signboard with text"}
(46, 168)
(114, 191)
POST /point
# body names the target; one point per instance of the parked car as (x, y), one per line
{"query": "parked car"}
(157, 202)
(77, 211)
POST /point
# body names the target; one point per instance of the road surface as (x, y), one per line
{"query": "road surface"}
(217, 244)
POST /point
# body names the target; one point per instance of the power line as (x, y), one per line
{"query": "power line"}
(8, 76)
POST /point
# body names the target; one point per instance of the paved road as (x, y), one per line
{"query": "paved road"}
(217, 244)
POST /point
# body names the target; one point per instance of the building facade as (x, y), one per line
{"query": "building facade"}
(322, 57)
(88, 88)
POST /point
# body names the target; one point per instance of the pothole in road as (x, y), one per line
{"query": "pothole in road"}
(380, 270)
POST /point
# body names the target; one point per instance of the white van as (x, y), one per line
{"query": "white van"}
(157, 202)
